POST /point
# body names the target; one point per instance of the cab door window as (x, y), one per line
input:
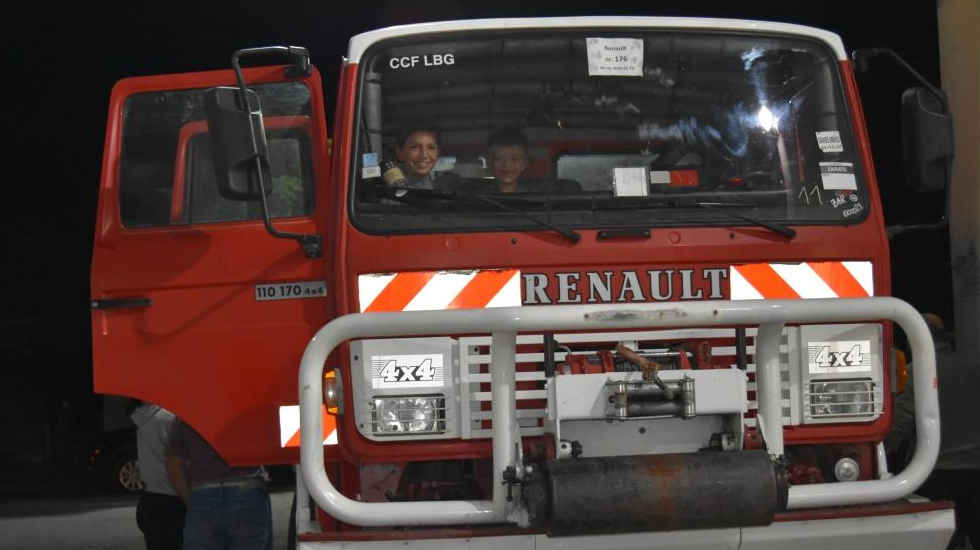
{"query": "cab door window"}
(166, 172)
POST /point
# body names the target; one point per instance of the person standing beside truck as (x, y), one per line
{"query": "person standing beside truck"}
(159, 511)
(227, 507)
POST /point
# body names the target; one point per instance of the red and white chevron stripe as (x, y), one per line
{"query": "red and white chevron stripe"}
(438, 290)
(289, 426)
(802, 280)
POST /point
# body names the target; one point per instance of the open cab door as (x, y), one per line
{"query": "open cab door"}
(195, 306)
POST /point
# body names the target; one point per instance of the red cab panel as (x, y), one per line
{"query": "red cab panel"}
(195, 306)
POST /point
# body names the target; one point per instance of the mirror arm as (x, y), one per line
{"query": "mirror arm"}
(863, 55)
(312, 244)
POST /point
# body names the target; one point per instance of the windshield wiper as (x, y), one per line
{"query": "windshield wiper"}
(569, 234)
(787, 232)
(407, 196)
(721, 207)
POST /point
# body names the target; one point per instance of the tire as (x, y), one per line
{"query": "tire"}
(125, 474)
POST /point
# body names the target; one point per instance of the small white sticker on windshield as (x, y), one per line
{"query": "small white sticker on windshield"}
(630, 182)
(838, 175)
(615, 56)
(829, 142)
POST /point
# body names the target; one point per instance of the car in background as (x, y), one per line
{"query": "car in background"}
(112, 463)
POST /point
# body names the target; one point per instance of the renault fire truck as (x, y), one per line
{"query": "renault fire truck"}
(680, 337)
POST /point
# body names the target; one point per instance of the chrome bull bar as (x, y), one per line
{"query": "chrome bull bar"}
(504, 324)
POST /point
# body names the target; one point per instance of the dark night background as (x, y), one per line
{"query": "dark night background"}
(60, 64)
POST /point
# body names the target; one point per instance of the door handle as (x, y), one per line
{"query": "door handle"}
(118, 303)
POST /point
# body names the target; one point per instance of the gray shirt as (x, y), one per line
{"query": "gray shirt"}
(204, 465)
(152, 432)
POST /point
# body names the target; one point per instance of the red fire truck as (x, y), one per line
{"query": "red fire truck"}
(676, 333)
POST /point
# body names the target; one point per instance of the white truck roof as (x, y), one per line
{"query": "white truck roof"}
(361, 42)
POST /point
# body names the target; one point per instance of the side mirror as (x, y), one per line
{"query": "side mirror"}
(237, 139)
(241, 153)
(927, 140)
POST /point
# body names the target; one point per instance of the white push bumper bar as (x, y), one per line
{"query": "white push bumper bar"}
(505, 323)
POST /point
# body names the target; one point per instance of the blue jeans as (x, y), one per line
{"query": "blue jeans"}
(228, 518)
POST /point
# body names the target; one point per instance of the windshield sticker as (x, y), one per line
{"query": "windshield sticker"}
(407, 371)
(847, 202)
(630, 182)
(850, 211)
(615, 56)
(674, 178)
(843, 198)
(370, 167)
(838, 175)
(810, 197)
(289, 291)
(829, 142)
(427, 60)
(839, 357)
(684, 178)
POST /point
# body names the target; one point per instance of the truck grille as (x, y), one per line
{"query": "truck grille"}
(475, 356)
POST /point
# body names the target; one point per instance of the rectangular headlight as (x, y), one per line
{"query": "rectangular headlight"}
(406, 388)
(841, 398)
(405, 415)
(840, 373)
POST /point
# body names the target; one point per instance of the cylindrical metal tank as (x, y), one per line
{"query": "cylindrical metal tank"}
(655, 492)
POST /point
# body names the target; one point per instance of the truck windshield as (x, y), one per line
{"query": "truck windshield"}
(602, 129)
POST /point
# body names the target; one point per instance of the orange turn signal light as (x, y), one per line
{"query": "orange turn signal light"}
(332, 395)
(901, 370)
